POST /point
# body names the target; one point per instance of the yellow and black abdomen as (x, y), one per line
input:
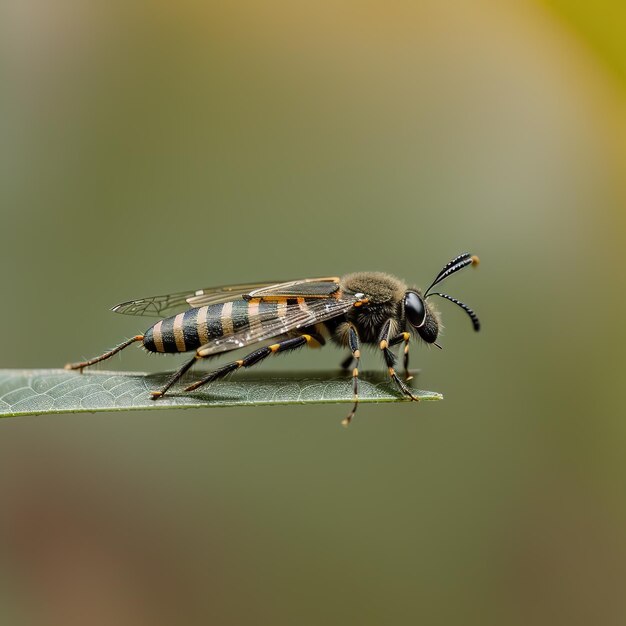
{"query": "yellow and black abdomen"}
(197, 327)
(185, 331)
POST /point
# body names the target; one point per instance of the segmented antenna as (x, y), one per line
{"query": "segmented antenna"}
(472, 315)
(458, 263)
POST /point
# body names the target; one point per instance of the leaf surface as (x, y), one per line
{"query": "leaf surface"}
(37, 392)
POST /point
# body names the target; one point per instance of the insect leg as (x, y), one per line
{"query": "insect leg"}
(103, 357)
(175, 377)
(390, 359)
(395, 341)
(253, 358)
(347, 362)
(181, 372)
(355, 349)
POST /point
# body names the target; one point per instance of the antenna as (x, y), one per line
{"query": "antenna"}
(472, 315)
(458, 263)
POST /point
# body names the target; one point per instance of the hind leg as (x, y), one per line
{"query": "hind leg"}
(103, 357)
(175, 377)
(251, 359)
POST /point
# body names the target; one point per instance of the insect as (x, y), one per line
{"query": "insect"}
(368, 308)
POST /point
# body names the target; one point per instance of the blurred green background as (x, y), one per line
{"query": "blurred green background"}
(152, 147)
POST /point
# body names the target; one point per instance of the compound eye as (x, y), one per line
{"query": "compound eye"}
(414, 309)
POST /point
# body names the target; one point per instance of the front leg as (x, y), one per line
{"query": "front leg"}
(384, 342)
(406, 337)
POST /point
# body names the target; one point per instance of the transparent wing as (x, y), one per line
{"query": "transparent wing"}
(162, 306)
(303, 288)
(281, 318)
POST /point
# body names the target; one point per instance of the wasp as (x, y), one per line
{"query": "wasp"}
(363, 308)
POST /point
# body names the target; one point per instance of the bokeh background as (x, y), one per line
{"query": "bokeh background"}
(151, 147)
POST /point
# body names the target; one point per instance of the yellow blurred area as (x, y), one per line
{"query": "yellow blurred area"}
(153, 147)
(600, 25)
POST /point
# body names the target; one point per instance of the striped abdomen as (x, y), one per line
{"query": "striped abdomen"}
(197, 327)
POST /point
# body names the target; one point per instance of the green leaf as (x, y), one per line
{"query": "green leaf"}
(36, 392)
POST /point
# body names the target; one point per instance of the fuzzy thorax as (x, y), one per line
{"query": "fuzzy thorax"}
(378, 287)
